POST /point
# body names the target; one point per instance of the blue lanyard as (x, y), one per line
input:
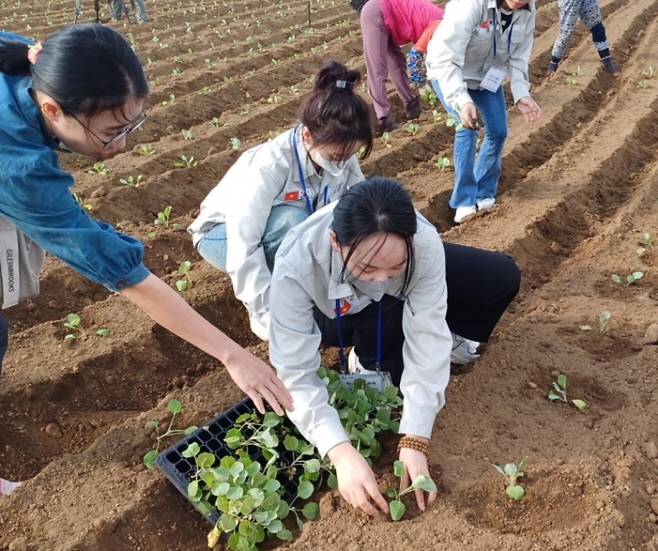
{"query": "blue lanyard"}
(380, 337)
(509, 37)
(302, 178)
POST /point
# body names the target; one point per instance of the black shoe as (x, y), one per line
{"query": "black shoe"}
(610, 66)
(387, 124)
(552, 68)
(413, 109)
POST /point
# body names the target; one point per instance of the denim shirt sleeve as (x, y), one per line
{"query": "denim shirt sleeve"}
(35, 195)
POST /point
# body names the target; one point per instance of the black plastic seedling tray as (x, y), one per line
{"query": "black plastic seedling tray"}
(210, 437)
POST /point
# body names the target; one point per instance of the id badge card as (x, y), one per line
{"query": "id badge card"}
(494, 78)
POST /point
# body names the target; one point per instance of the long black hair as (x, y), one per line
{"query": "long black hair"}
(86, 69)
(376, 206)
(334, 113)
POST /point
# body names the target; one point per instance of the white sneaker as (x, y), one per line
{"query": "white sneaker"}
(464, 213)
(485, 205)
(464, 351)
(354, 364)
(7, 486)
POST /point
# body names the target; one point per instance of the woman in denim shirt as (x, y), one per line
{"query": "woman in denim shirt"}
(84, 89)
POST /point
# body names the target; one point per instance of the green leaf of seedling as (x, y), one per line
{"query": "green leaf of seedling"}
(192, 450)
(562, 381)
(275, 526)
(190, 430)
(397, 509)
(515, 492)
(152, 425)
(312, 466)
(103, 332)
(305, 489)
(72, 321)
(399, 469)
(291, 443)
(283, 510)
(174, 406)
(235, 493)
(221, 489)
(150, 459)
(616, 278)
(499, 469)
(637, 276)
(272, 485)
(285, 535)
(205, 460)
(332, 481)
(581, 405)
(424, 483)
(511, 469)
(258, 496)
(391, 493)
(182, 285)
(311, 511)
(236, 468)
(227, 523)
(194, 492)
(271, 419)
(185, 267)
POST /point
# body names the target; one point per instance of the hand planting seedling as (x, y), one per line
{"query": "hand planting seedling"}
(646, 244)
(604, 321)
(413, 128)
(235, 143)
(132, 181)
(452, 122)
(98, 169)
(145, 150)
(443, 164)
(512, 472)
(74, 324)
(163, 217)
(184, 269)
(396, 508)
(559, 393)
(175, 408)
(629, 279)
(186, 162)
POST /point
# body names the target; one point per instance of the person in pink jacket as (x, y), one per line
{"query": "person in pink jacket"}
(387, 25)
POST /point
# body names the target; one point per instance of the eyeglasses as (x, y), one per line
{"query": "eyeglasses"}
(128, 130)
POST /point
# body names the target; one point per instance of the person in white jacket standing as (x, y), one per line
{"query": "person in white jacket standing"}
(370, 271)
(480, 44)
(276, 185)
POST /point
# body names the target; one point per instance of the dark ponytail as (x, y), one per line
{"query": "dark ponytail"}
(376, 206)
(84, 68)
(334, 113)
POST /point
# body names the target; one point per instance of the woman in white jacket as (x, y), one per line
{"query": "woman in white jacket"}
(479, 44)
(276, 185)
(370, 271)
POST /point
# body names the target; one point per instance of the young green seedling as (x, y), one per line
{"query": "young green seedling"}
(443, 164)
(184, 269)
(186, 162)
(163, 217)
(145, 150)
(413, 128)
(386, 139)
(235, 143)
(646, 244)
(559, 393)
(74, 324)
(512, 472)
(103, 332)
(650, 72)
(604, 321)
(429, 97)
(132, 181)
(215, 122)
(187, 135)
(396, 507)
(629, 279)
(174, 407)
(437, 116)
(98, 169)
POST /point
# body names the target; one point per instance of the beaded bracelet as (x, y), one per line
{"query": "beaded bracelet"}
(414, 443)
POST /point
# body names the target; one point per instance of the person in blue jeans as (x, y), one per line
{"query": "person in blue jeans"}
(276, 185)
(478, 45)
(84, 90)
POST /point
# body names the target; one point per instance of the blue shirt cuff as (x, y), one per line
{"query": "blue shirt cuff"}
(135, 277)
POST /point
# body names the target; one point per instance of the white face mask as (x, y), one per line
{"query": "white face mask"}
(333, 168)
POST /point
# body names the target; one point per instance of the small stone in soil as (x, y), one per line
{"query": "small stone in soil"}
(651, 334)
(52, 429)
(651, 449)
(654, 505)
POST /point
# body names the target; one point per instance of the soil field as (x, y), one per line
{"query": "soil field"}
(579, 190)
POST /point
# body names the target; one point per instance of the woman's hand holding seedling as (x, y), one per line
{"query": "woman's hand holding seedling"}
(416, 466)
(530, 110)
(356, 481)
(469, 116)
